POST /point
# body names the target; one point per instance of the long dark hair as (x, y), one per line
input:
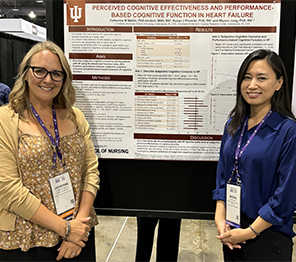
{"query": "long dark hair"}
(280, 100)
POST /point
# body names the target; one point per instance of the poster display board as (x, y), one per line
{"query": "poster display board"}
(157, 80)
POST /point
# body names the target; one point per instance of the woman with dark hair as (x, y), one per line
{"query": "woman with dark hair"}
(49, 171)
(256, 173)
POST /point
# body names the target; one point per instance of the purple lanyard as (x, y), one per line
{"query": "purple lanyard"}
(238, 152)
(55, 142)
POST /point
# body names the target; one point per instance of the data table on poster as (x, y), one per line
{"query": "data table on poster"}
(163, 51)
(156, 111)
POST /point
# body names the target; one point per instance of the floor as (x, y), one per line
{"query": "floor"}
(116, 240)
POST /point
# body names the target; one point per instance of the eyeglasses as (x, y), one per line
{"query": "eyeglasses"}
(40, 73)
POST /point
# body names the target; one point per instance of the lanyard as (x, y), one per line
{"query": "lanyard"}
(54, 142)
(239, 151)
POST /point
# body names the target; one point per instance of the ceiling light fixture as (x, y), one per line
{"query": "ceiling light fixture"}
(32, 14)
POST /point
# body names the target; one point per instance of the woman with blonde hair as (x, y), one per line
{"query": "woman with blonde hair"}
(49, 175)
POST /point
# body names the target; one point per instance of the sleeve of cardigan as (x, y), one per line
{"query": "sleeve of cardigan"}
(14, 197)
(90, 172)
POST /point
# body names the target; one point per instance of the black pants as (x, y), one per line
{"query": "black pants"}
(88, 253)
(269, 246)
(167, 239)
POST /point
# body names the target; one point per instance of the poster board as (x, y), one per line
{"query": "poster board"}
(133, 180)
(157, 81)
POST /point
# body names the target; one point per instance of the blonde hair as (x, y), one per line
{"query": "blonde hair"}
(19, 96)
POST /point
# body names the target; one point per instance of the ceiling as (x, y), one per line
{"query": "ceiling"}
(21, 9)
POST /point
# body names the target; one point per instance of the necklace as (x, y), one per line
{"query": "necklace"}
(50, 125)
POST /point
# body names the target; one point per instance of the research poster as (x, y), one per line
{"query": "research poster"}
(157, 79)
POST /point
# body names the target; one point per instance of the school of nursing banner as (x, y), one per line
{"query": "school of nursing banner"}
(157, 80)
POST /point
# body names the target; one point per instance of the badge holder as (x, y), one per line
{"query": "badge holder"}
(233, 203)
(63, 195)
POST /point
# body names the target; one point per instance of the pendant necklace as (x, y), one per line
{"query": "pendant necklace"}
(50, 125)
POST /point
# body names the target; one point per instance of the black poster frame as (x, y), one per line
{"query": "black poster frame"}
(173, 189)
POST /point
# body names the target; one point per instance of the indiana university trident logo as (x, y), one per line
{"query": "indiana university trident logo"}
(75, 13)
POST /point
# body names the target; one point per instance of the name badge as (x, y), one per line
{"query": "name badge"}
(233, 204)
(63, 195)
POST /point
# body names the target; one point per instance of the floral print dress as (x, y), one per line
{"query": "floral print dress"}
(36, 162)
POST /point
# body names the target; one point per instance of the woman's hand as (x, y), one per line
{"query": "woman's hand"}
(239, 235)
(222, 227)
(236, 236)
(79, 231)
(79, 228)
(68, 250)
(223, 234)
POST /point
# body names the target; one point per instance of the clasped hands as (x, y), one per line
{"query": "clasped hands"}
(233, 238)
(79, 234)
